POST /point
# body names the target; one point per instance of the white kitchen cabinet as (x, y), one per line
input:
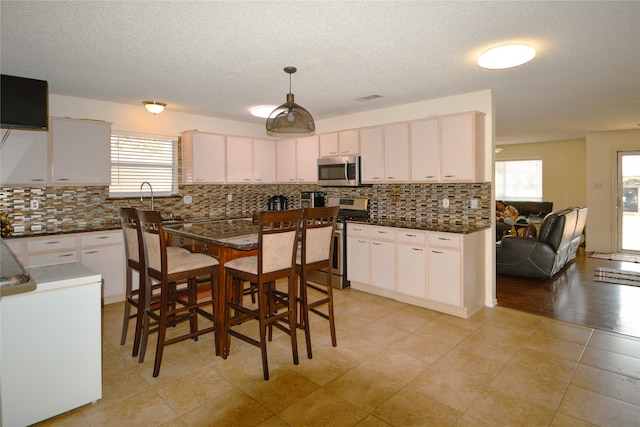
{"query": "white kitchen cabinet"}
(396, 153)
(104, 253)
(81, 151)
(239, 160)
(203, 158)
(286, 161)
(383, 256)
(358, 253)
(348, 143)
(444, 276)
(412, 263)
(462, 147)
(329, 144)
(372, 155)
(23, 158)
(307, 152)
(425, 150)
(264, 161)
(343, 143)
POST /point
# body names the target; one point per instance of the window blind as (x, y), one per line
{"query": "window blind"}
(136, 159)
(519, 180)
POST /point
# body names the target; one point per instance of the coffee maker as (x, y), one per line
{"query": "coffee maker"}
(277, 203)
(312, 199)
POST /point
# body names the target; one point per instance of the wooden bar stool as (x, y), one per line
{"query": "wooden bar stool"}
(316, 253)
(176, 273)
(277, 243)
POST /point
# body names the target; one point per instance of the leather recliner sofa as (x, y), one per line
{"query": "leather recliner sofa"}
(542, 257)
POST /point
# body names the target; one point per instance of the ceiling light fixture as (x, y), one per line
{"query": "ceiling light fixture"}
(263, 110)
(506, 56)
(290, 119)
(154, 107)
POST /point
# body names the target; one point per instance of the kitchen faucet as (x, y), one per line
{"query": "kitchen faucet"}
(150, 189)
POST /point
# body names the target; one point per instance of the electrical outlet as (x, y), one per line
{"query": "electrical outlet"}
(187, 200)
(35, 204)
(445, 203)
(475, 204)
(229, 197)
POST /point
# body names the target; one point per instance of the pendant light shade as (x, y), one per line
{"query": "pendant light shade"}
(290, 119)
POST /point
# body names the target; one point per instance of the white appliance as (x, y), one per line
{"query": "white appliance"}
(50, 344)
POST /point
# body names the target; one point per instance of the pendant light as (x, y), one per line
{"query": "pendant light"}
(290, 119)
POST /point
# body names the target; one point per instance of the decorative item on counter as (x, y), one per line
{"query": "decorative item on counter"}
(7, 228)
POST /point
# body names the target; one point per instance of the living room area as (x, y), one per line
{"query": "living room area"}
(598, 285)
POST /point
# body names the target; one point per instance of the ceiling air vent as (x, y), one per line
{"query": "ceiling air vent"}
(368, 98)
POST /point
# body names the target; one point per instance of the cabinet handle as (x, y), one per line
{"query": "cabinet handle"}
(258, 180)
(37, 179)
(248, 179)
(52, 242)
(362, 241)
(205, 247)
(436, 252)
(444, 238)
(65, 255)
(411, 235)
(344, 152)
(376, 243)
(181, 241)
(382, 232)
(449, 176)
(430, 176)
(89, 252)
(391, 177)
(357, 229)
(418, 249)
(103, 237)
(333, 152)
(62, 179)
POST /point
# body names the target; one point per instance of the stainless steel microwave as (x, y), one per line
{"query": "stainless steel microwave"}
(343, 171)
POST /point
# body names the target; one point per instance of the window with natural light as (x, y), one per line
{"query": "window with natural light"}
(136, 159)
(519, 180)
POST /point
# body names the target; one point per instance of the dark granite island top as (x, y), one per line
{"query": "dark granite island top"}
(240, 234)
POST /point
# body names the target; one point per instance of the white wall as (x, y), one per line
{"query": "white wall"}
(135, 118)
(602, 169)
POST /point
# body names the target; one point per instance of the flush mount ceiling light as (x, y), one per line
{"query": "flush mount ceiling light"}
(506, 56)
(154, 107)
(263, 110)
(290, 119)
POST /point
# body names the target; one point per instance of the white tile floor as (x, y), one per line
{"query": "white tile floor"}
(395, 365)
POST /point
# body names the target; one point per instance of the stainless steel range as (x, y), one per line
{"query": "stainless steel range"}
(350, 209)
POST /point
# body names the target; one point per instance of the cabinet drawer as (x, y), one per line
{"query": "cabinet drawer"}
(51, 244)
(382, 233)
(449, 240)
(412, 236)
(101, 238)
(357, 230)
(52, 258)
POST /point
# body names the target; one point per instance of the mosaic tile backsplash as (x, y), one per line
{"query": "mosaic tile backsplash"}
(90, 208)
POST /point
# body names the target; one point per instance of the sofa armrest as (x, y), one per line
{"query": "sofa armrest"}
(524, 257)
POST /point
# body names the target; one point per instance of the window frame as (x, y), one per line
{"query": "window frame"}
(142, 163)
(507, 194)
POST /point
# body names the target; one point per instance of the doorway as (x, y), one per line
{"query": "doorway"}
(628, 205)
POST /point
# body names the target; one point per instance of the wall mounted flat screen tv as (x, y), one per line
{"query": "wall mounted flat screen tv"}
(25, 103)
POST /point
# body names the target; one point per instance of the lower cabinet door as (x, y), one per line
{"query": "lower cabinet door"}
(383, 273)
(109, 261)
(445, 276)
(412, 270)
(358, 259)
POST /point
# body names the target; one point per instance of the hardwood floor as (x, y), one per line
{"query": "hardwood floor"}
(573, 296)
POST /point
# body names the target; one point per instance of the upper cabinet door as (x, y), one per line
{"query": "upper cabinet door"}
(23, 159)
(372, 155)
(462, 147)
(307, 152)
(396, 153)
(286, 161)
(329, 144)
(203, 158)
(81, 151)
(348, 143)
(425, 151)
(264, 160)
(239, 160)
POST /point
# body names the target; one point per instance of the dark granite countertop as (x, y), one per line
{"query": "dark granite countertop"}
(424, 226)
(240, 233)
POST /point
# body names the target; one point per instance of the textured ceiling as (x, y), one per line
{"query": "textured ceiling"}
(221, 58)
